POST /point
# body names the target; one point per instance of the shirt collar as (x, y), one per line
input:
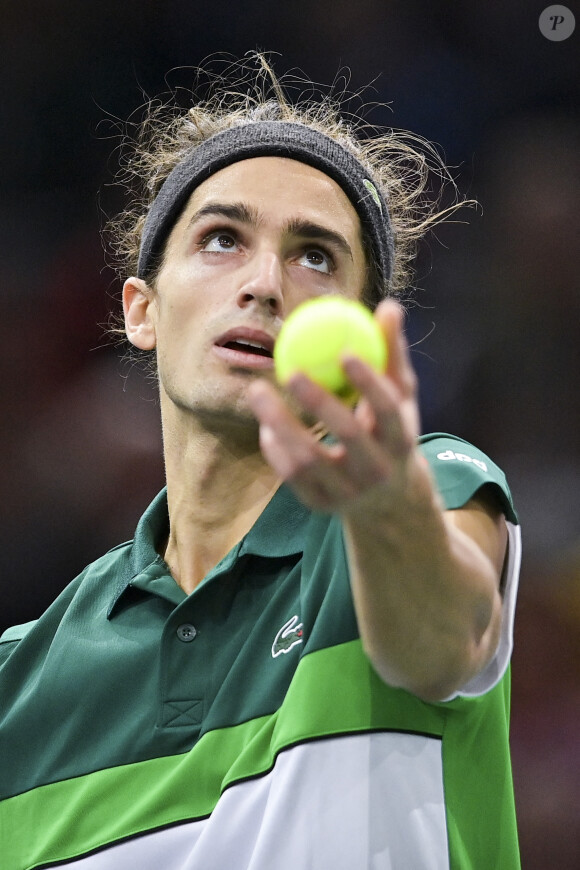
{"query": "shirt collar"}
(281, 527)
(277, 533)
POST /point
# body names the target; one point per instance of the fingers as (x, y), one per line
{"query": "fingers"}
(296, 454)
(390, 316)
(382, 409)
(382, 397)
(326, 476)
(286, 442)
(374, 440)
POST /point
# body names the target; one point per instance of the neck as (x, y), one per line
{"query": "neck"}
(218, 483)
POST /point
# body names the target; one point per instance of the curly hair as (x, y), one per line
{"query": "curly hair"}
(404, 165)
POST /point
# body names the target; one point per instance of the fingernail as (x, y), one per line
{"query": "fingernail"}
(266, 435)
(352, 364)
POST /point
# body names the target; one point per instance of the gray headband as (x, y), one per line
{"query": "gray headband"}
(268, 139)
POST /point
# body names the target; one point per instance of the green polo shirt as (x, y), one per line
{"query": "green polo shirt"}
(242, 725)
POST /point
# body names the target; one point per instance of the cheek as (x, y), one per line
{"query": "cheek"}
(177, 303)
(186, 329)
(175, 333)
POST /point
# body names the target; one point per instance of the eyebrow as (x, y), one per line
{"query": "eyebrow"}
(308, 229)
(237, 211)
(244, 214)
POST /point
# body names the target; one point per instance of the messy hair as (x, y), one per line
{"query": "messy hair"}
(409, 170)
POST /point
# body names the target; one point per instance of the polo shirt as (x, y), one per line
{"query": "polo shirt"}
(242, 726)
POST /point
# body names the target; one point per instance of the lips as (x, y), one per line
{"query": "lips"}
(246, 347)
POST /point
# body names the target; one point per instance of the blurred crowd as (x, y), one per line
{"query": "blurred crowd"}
(493, 320)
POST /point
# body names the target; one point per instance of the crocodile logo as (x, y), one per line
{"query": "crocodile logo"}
(291, 634)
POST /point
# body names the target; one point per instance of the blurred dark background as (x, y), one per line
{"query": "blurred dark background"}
(494, 323)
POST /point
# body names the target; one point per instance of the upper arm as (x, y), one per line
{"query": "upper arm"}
(483, 520)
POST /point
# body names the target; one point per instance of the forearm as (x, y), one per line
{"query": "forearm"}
(426, 592)
(425, 582)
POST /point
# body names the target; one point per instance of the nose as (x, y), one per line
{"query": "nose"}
(263, 284)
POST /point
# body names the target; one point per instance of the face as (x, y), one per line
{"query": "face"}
(255, 240)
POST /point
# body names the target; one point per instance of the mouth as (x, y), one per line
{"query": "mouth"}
(245, 347)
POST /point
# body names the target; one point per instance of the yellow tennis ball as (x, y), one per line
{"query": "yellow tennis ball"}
(318, 332)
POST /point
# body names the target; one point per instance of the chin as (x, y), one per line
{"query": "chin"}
(220, 410)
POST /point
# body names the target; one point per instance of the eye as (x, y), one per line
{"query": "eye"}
(219, 243)
(316, 259)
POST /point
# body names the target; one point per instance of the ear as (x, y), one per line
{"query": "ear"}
(137, 302)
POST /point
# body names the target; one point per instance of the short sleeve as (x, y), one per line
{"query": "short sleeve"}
(460, 470)
(10, 639)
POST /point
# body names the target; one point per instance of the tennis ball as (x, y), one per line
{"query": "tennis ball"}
(318, 332)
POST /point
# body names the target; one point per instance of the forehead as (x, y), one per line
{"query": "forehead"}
(279, 187)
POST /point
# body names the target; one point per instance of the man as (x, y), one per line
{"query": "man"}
(301, 661)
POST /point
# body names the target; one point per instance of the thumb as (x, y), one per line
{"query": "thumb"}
(390, 315)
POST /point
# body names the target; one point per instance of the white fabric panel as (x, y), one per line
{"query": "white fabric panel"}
(371, 801)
